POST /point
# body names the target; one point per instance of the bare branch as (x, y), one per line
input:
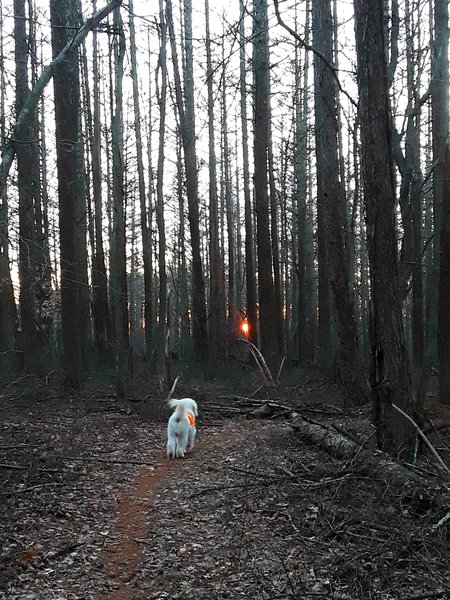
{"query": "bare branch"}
(29, 107)
(313, 50)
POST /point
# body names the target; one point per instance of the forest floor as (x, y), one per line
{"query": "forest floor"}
(91, 508)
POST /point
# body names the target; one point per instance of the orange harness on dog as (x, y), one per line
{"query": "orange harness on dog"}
(190, 418)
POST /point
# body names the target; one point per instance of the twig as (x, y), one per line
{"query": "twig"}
(17, 446)
(29, 467)
(150, 542)
(442, 522)
(30, 489)
(280, 369)
(13, 467)
(260, 362)
(313, 389)
(95, 459)
(64, 550)
(424, 437)
(425, 595)
(18, 380)
(173, 388)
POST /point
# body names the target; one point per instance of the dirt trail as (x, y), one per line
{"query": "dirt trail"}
(123, 559)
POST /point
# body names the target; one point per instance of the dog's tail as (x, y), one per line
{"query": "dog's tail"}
(178, 405)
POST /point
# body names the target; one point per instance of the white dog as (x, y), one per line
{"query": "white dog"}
(181, 429)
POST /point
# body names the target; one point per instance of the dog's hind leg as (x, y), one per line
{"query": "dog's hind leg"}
(182, 441)
(191, 438)
(171, 447)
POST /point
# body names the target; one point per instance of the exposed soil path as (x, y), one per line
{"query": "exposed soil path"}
(123, 559)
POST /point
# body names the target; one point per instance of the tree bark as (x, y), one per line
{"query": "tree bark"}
(119, 274)
(100, 307)
(162, 95)
(217, 283)
(67, 100)
(390, 377)
(28, 194)
(331, 203)
(250, 271)
(274, 224)
(233, 322)
(186, 111)
(441, 189)
(8, 310)
(267, 319)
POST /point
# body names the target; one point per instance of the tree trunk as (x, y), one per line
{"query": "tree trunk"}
(250, 271)
(64, 18)
(217, 284)
(304, 341)
(82, 266)
(390, 378)
(441, 187)
(100, 307)
(267, 318)
(187, 128)
(274, 223)
(162, 94)
(146, 225)
(331, 199)
(444, 290)
(233, 323)
(184, 312)
(145, 229)
(44, 316)
(28, 194)
(119, 275)
(8, 311)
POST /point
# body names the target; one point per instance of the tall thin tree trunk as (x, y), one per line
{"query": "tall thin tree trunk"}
(82, 267)
(119, 278)
(331, 199)
(145, 229)
(267, 319)
(250, 271)
(274, 220)
(8, 312)
(183, 278)
(44, 317)
(162, 95)
(65, 19)
(100, 306)
(303, 336)
(217, 292)
(390, 379)
(441, 188)
(229, 209)
(28, 192)
(147, 225)
(186, 111)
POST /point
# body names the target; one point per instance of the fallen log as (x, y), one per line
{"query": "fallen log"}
(375, 464)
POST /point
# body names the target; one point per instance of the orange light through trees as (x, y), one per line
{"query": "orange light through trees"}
(245, 328)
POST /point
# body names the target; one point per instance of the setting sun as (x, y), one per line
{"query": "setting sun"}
(245, 328)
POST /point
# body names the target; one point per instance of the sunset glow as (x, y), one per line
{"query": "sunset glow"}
(245, 328)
